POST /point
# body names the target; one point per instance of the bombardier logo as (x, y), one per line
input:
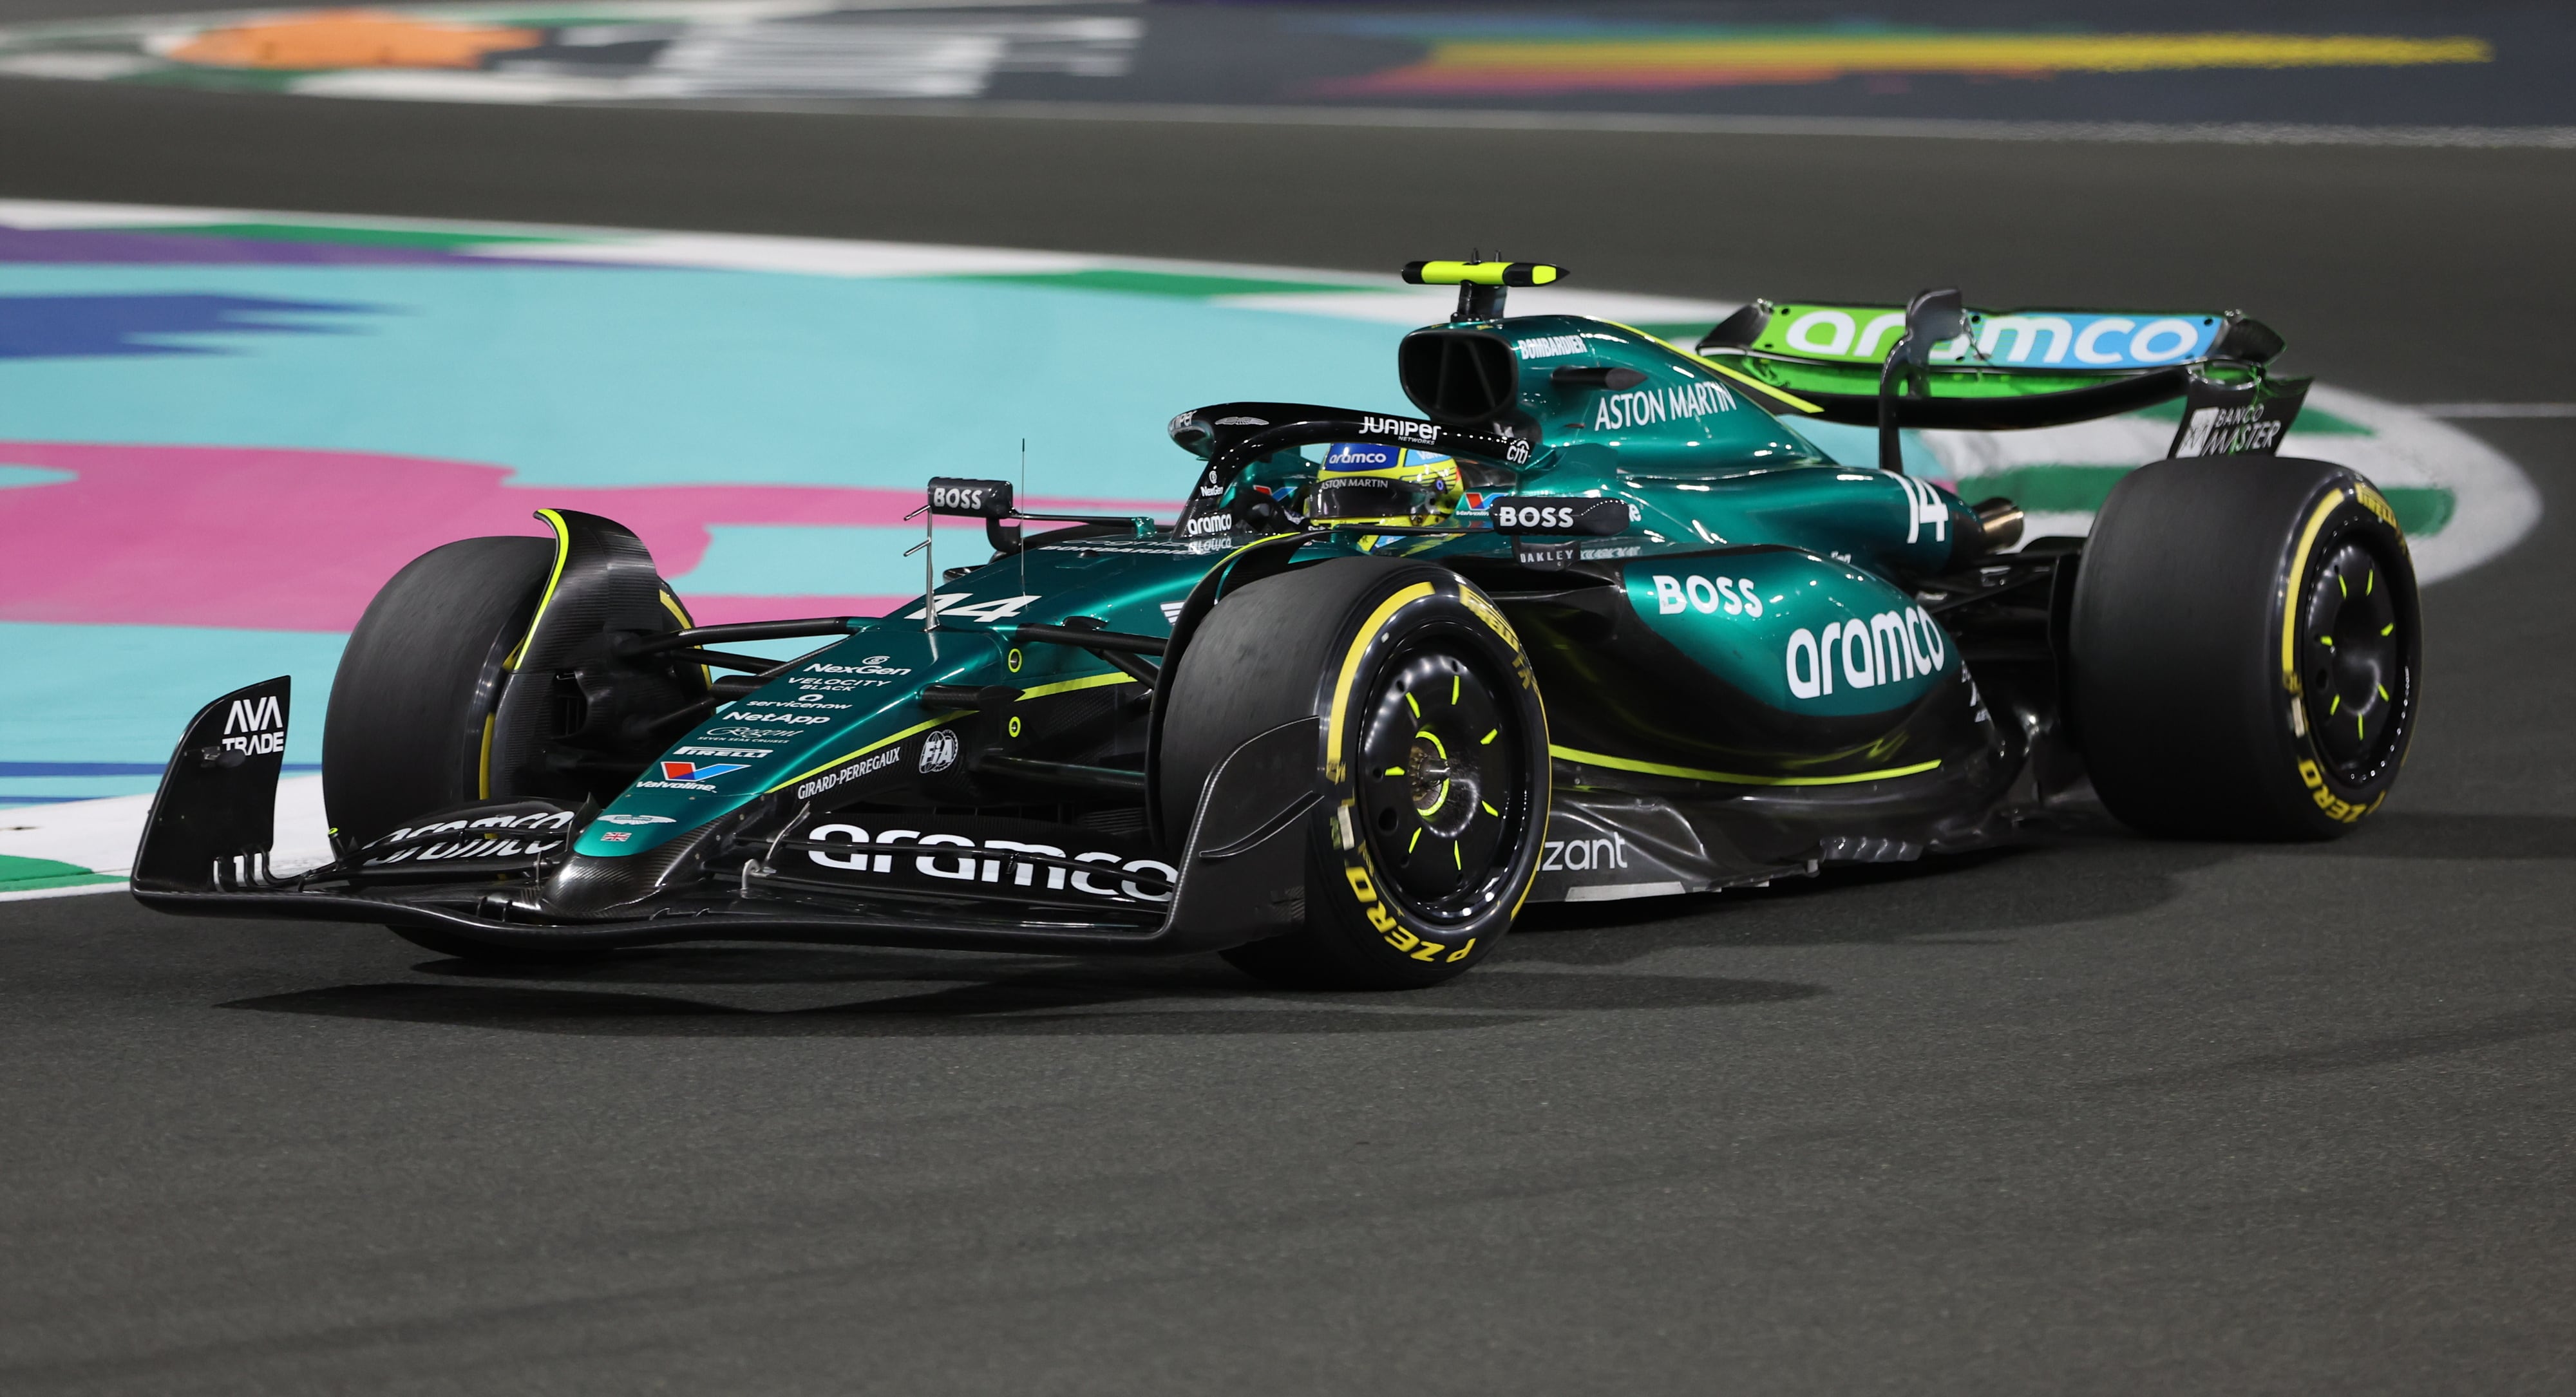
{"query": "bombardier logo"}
(1549, 346)
(255, 727)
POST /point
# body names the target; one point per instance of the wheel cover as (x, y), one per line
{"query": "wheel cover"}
(1441, 788)
(2353, 648)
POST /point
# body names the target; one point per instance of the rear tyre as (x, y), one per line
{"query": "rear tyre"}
(1433, 751)
(2245, 649)
(404, 734)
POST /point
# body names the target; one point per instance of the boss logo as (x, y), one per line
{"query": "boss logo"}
(986, 498)
(1517, 514)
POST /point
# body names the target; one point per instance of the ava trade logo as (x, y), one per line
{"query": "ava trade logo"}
(691, 771)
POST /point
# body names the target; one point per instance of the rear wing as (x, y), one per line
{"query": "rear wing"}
(2004, 369)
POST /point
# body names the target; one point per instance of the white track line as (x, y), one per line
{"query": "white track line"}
(2496, 410)
(100, 835)
(2255, 133)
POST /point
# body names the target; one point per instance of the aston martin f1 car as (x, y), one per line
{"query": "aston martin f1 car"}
(1597, 621)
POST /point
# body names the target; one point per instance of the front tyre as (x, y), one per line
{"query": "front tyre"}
(408, 728)
(407, 731)
(2246, 649)
(1432, 750)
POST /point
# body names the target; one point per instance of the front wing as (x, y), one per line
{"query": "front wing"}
(1240, 876)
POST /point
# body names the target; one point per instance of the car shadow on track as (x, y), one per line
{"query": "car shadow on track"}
(1981, 898)
(1954, 900)
(1959, 901)
(963, 997)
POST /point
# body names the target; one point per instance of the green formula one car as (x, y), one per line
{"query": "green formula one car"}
(1598, 623)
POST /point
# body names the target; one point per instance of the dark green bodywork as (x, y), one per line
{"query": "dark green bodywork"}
(1752, 629)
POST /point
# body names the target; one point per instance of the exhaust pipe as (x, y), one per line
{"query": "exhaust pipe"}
(1999, 520)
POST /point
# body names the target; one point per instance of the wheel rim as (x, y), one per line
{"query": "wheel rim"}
(2353, 645)
(1440, 796)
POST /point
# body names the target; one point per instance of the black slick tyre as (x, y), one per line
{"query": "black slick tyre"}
(2245, 649)
(1431, 750)
(419, 680)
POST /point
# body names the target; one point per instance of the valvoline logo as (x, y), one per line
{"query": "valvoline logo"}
(691, 771)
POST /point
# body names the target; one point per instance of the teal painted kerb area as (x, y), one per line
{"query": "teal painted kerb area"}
(587, 376)
(611, 376)
(25, 875)
(123, 694)
(790, 560)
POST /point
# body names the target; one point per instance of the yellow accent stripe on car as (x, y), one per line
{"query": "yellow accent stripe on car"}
(1088, 681)
(1735, 778)
(483, 767)
(563, 550)
(2290, 599)
(1403, 597)
(1739, 376)
(877, 746)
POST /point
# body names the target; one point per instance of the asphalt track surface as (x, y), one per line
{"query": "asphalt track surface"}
(2103, 1115)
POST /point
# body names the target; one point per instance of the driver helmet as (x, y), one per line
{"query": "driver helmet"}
(1364, 483)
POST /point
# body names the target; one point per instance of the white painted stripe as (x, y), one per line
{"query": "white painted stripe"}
(2493, 507)
(2477, 410)
(80, 890)
(1651, 123)
(101, 835)
(1424, 305)
(1616, 892)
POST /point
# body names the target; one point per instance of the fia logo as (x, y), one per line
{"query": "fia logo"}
(691, 771)
(939, 751)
